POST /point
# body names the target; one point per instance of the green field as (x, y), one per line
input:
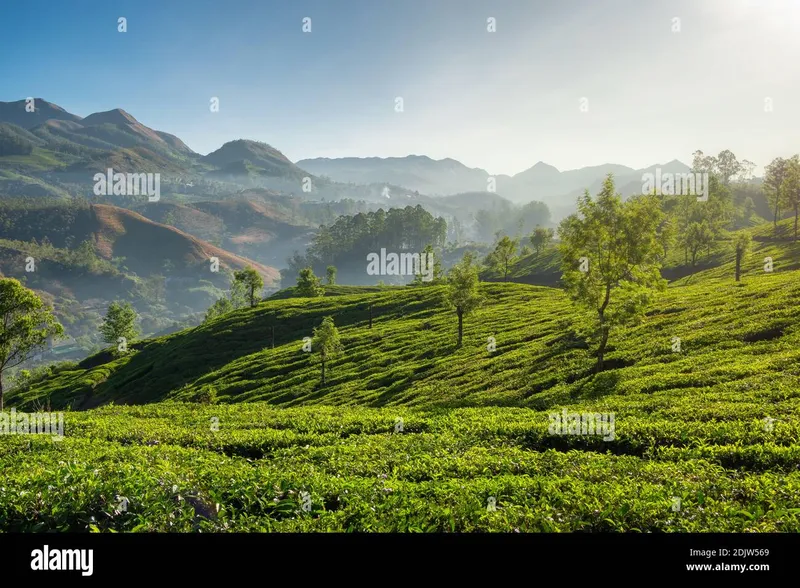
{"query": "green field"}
(706, 438)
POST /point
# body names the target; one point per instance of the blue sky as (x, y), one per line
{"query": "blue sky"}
(501, 101)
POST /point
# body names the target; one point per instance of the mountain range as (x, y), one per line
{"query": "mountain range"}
(67, 149)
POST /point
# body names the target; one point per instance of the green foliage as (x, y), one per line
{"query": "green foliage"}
(540, 238)
(26, 325)
(330, 273)
(220, 307)
(503, 256)
(347, 241)
(251, 284)
(610, 259)
(326, 345)
(308, 285)
(741, 245)
(119, 322)
(205, 395)
(464, 290)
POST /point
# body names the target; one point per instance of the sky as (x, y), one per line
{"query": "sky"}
(569, 82)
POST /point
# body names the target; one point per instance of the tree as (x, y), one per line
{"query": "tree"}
(698, 235)
(464, 290)
(437, 272)
(221, 306)
(540, 238)
(503, 256)
(741, 246)
(748, 208)
(666, 235)
(727, 166)
(25, 326)
(251, 283)
(308, 285)
(119, 322)
(792, 188)
(326, 344)
(330, 274)
(774, 177)
(619, 243)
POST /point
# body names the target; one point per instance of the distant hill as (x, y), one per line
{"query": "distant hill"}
(541, 182)
(252, 229)
(264, 157)
(15, 113)
(414, 172)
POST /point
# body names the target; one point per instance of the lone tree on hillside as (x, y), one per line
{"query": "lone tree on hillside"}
(792, 188)
(235, 298)
(540, 238)
(611, 258)
(326, 344)
(308, 285)
(119, 323)
(741, 246)
(463, 290)
(503, 256)
(429, 263)
(774, 177)
(251, 283)
(330, 274)
(25, 326)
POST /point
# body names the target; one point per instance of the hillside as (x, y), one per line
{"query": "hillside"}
(412, 434)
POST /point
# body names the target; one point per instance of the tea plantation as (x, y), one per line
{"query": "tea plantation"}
(411, 433)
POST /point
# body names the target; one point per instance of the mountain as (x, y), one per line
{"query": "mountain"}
(265, 159)
(541, 182)
(414, 172)
(16, 113)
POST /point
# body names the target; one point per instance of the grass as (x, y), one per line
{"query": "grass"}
(714, 425)
(180, 474)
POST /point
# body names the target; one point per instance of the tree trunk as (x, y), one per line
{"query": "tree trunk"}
(602, 350)
(795, 221)
(1, 392)
(460, 325)
(738, 265)
(777, 204)
(273, 336)
(370, 316)
(323, 372)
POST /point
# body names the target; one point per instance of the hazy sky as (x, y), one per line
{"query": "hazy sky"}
(498, 100)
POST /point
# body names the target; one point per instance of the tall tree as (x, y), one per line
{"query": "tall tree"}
(464, 290)
(698, 236)
(325, 344)
(503, 256)
(792, 188)
(330, 274)
(119, 322)
(540, 238)
(308, 285)
(727, 166)
(25, 326)
(774, 177)
(667, 234)
(252, 284)
(611, 258)
(741, 246)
